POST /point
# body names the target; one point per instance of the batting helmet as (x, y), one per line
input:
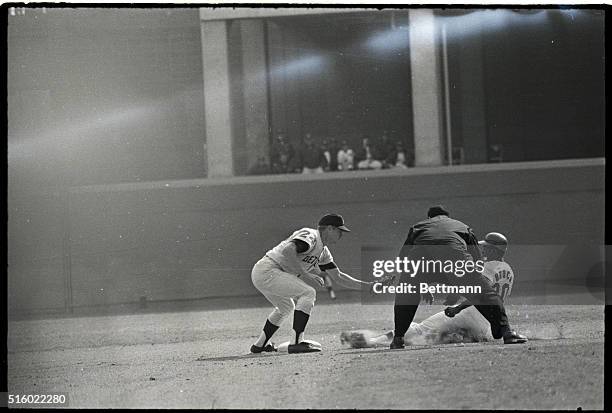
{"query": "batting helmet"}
(495, 240)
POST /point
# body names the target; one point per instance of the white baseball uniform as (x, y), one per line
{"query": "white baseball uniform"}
(469, 324)
(286, 291)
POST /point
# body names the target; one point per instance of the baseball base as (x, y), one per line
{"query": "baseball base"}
(284, 346)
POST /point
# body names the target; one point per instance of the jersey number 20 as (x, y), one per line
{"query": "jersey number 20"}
(503, 291)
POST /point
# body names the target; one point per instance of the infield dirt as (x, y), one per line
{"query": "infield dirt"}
(197, 360)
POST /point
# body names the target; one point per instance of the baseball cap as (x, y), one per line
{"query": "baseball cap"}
(334, 220)
(436, 210)
(495, 240)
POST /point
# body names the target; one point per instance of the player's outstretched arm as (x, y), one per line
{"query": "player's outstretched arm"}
(346, 280)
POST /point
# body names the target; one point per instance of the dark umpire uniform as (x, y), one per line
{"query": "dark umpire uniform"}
(442, 239)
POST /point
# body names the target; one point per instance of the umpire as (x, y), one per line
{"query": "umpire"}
(441, 238)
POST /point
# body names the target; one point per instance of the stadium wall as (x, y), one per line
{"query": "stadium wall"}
(191, 239)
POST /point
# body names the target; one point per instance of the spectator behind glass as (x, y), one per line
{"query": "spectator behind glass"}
(399, 159)
(360, 153)
(260, 168)
(326, 153)
(311, 156)
(384, 151)
(282, 154)
(366, 156)
(345, 157)
(495, 153)
(333, 151)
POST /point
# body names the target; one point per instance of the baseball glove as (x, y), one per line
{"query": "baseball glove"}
(451, 311)
(387, 279)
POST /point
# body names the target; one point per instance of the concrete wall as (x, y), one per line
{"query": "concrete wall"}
(199, 238)
(35, 251)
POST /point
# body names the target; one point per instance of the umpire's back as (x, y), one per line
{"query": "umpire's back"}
(440, 236)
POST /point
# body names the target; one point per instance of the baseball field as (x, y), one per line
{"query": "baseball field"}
(197, 359)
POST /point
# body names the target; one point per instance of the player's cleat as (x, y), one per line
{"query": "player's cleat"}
(266, 349)
(512, 337)
(397, 343)
(303, 347)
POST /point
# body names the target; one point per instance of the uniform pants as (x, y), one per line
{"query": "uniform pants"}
(285, 291)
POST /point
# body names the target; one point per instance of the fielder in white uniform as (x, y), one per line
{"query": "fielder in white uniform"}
(279, 277)
(459, 323)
